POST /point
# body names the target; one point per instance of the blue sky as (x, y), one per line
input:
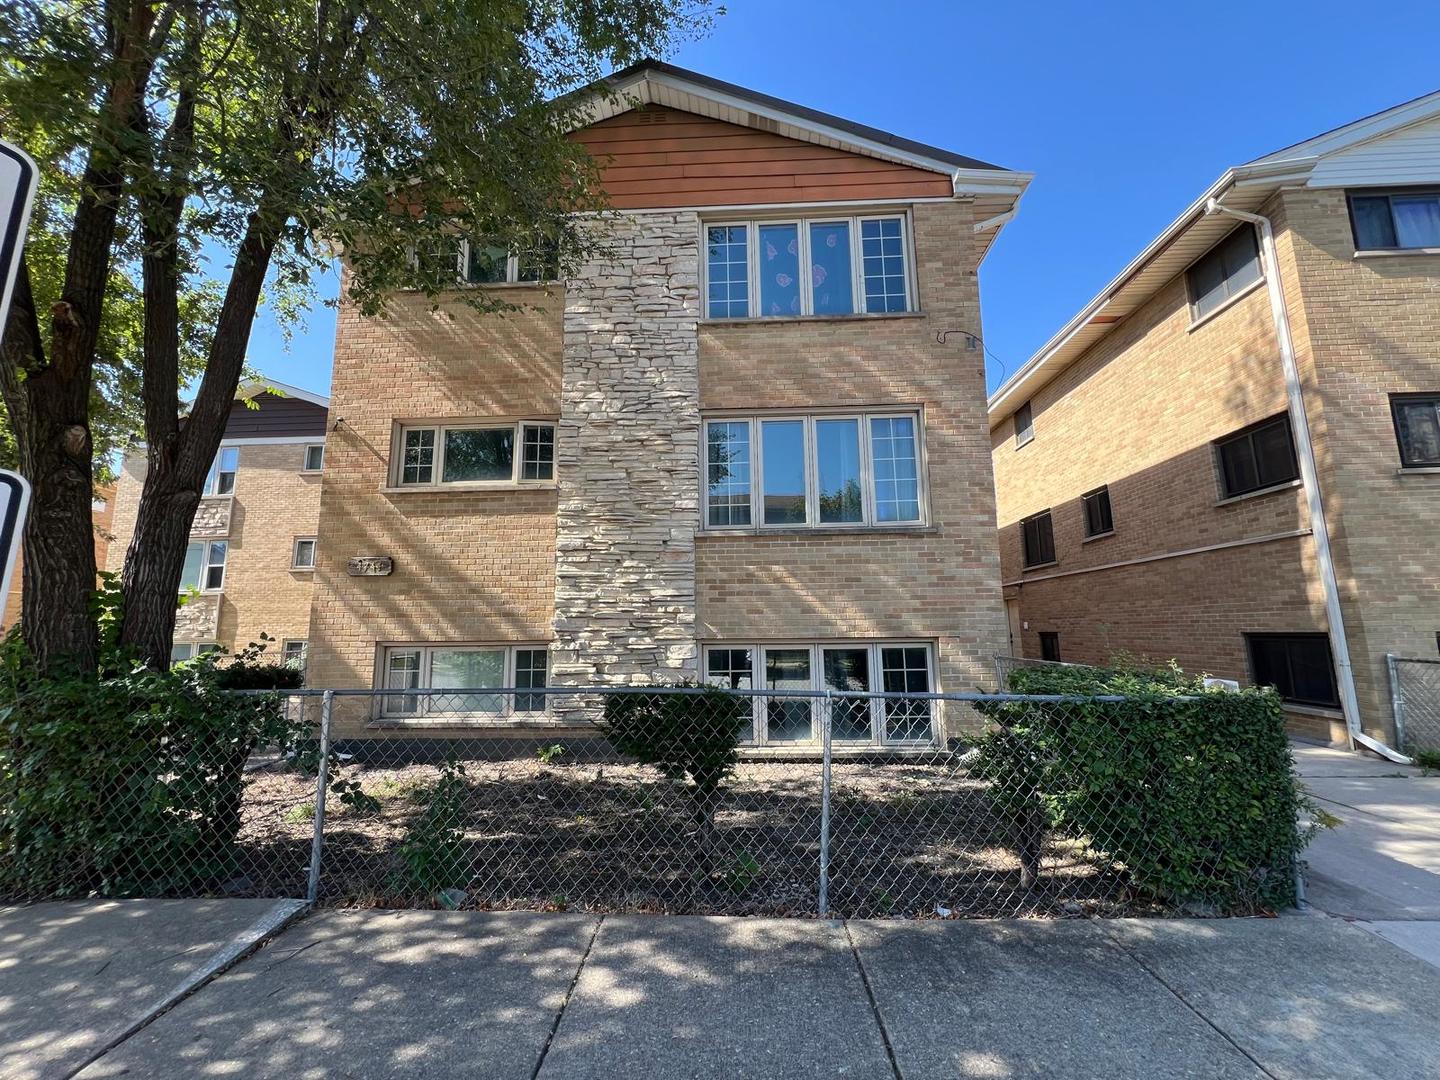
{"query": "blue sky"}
(1124, 111)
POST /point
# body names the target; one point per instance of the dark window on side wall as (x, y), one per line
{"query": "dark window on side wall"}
(1050, 645)
(1261, 456)
(1395, 220)
(1024, 425)
(1417, 428)
(1038, 538)
(1226, 269)
(1298, 666)
(1098, 519)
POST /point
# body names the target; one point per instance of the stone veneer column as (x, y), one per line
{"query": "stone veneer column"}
(627, 454)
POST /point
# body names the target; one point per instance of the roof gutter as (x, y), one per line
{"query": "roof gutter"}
(1305, 450)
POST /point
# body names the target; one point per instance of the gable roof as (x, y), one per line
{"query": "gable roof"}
(1194, 232)
(253, 387)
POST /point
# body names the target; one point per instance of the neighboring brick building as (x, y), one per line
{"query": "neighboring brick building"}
(573, 494)
(250, 565)
(1149, 463)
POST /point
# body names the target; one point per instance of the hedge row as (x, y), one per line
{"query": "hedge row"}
(1190, 790)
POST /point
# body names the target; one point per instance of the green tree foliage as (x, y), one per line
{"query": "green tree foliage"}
(247, 143)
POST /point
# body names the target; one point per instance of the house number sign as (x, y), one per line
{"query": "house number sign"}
(370, 566)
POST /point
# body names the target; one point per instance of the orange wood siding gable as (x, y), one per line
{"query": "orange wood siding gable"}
(657, 157)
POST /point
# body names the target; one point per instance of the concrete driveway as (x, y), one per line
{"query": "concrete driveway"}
(389, 994)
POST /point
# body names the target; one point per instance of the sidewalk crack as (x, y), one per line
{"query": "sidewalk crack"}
(874, 1005)
(1181, 998)
(565, 1001)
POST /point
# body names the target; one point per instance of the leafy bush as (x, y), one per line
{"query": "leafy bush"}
(1189, 789)
(128, 782)
(433, 853)
(691, 738)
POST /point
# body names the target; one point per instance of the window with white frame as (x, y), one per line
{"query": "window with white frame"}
(481, 263)
(315, 457)
(808, 266)
(221, 478)
(858, 469)
(303, 555)
(294, 653)
(182, 651)
(460, 668)
(204, 567)
(808, 670)
(435, 454)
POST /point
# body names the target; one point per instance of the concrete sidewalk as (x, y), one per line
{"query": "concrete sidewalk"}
(525, 995)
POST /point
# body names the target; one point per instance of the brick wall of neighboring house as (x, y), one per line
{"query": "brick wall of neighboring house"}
(1372, 330)
(1139, 412)
(468, 566)
(936, 583)
(274, 502)
(102, 515)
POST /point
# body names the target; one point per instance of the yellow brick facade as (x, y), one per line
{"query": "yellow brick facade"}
(1139, 412)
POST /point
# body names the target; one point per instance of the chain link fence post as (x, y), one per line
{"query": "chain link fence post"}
(823, 899)
(322, 783)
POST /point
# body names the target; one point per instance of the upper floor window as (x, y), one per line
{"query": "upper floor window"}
(856, 470)
(476, 453)
(1417, 427)
(479, 263)
(1298, 666)
(1261, 456)
(1223, 272)
(1098, 519)
(809, 266)
(315, 457)
(204, 565)
(1037, 540)
(1024, 425)
(1393, 220)
(221, 479)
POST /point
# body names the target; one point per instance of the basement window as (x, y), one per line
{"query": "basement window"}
(1298, 666)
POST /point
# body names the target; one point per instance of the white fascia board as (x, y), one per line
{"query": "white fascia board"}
(257, 386)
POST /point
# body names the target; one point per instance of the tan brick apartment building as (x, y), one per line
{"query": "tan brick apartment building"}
(1153, 491)
(250, 566)
(732, 448)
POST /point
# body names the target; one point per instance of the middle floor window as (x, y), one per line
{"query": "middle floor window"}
(432, 454)
(813, 471)
(819, 266)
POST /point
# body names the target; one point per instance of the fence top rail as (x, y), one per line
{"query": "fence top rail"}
(695, 691)
(1414, 659)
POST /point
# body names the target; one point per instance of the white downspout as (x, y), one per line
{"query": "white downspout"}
(1309, 478)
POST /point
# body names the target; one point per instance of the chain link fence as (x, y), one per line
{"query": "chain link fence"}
(672, 800)
(1415, 695)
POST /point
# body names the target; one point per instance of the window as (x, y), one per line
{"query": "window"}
(1262, 456)
(1037, 537)
(480, 263)
(204, 565)
(477, 454)
(221, 480)
(1395, 220)
(1226, 270)
(1298, 666)
(315, 457)
(303, 557)
(813, 266)
(182, 651)
(1417, 428)
(813, 471)
(1098, 519)
(1050, 646)
(293, 654)
(1024, 425)
(464, 668)
(810, 670)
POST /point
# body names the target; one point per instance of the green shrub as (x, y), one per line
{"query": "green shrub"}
(1190, 790)
(433, 854)
(691, 738)
(127, 782)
